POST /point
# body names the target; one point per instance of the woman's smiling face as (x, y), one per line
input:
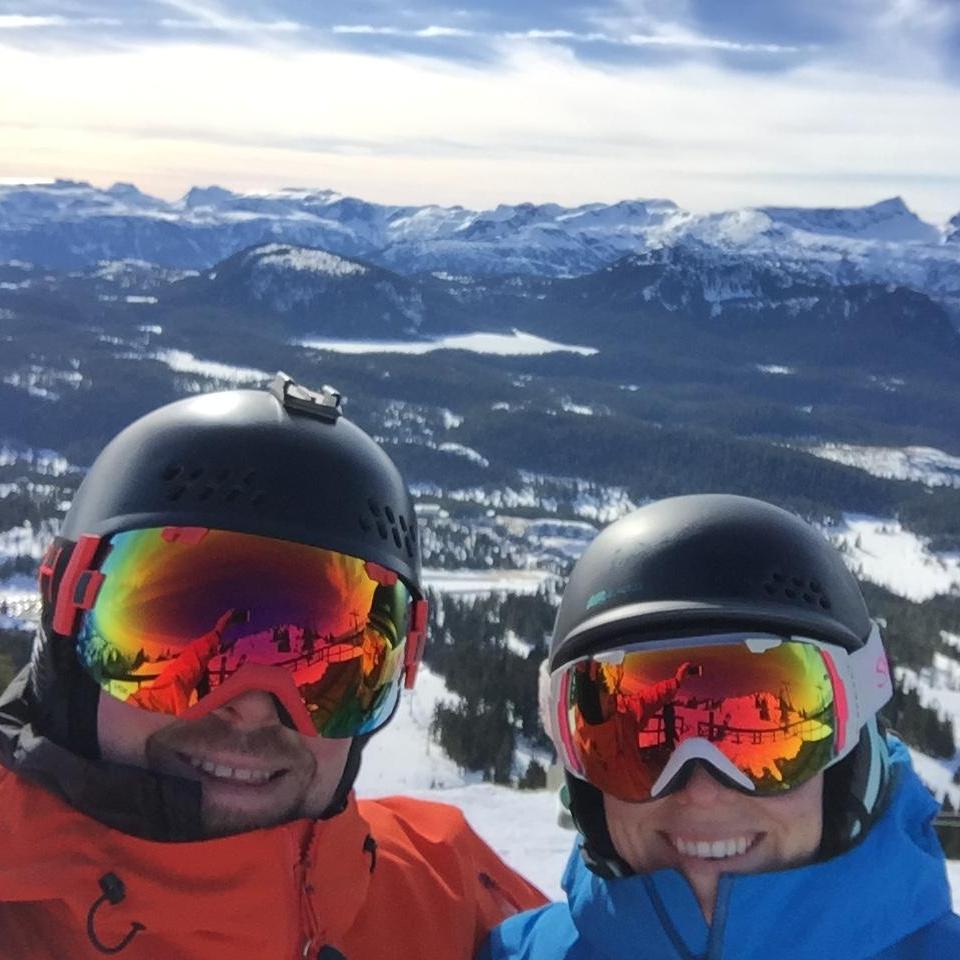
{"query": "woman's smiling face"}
(706, 829)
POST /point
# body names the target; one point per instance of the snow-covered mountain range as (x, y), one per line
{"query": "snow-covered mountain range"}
(70, 224)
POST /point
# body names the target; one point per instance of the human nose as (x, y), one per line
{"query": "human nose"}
(701, 789)
(250, 710)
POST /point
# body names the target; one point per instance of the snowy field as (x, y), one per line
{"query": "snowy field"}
(882, 551)
(181, 361)
(925, 465)
(520, 825)
(487, 581)
(513, 344)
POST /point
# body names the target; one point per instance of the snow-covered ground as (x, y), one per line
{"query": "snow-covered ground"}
(25, 541)
(925, 465)
(19, 603)
(516, 344)
(181, 361)
(487, 581)
(882, 551)
(403, 758)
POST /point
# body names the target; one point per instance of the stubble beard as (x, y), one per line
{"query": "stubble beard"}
(278, 801)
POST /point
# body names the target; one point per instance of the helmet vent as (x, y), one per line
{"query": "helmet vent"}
(207, 484)
(798, 589)
(390, 525)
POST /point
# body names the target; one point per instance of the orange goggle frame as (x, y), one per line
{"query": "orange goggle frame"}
(179, 620)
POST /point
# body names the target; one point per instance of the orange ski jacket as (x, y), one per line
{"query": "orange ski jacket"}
(395, 878)
(101, 859)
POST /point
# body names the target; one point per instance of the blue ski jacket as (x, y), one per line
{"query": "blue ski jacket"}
(886, 899)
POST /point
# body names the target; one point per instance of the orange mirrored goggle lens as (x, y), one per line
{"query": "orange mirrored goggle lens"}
(769, 710)
(180, 610)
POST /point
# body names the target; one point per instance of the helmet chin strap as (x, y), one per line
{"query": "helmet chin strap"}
(342, 792)
(352, 767)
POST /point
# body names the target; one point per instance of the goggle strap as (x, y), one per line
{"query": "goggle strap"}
(872, 685)
(48, 567)
(416, 640)
(79, 585)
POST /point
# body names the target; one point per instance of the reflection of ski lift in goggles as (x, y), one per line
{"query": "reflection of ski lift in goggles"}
(179, 620)
(766, 712)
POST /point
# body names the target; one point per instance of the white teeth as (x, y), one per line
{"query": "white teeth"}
(711, 849)
(222, 772)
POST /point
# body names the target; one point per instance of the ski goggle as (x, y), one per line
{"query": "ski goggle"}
(179, 620)
(766, 712)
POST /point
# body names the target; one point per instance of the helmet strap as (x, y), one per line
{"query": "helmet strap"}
(338, 801)
(590, 819)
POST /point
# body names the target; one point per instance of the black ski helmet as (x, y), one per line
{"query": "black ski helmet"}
(716, 563)
(281, 463)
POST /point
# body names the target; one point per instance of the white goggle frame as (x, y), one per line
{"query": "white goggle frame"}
(863, 675)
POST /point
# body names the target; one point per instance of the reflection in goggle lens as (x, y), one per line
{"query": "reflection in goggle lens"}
(768, 708)
(180, 610)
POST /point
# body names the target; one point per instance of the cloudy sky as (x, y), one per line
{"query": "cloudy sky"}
(713, 103)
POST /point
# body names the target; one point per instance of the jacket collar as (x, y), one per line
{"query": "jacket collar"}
(848, 903)
(145, 804)
(314, 874)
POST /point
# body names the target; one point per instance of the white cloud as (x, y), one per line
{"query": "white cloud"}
(16, 21)
(697, 42)
(675, 37)
(540, 125)
(206, 16)
(444, 32)
(365, 29)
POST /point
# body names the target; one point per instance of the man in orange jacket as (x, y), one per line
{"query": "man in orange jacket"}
(164, 797)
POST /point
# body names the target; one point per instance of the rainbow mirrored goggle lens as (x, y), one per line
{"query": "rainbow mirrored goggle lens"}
(767, 712)
(180, 611)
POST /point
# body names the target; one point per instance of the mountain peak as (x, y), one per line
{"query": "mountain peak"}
(298, 259)
(207, 197)
(953, 229)
(892, 206)
(889, 220)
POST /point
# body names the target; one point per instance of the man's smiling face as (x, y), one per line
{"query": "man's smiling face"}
(706, 829)
(255, 771)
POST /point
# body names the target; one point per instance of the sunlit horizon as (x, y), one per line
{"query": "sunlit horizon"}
(716, 107)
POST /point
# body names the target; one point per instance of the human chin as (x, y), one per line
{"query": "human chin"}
(250, 779)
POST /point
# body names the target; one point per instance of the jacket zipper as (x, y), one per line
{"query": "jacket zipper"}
(722, 905)
(309, 925)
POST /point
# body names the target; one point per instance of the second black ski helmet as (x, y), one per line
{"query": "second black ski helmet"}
(712, 564)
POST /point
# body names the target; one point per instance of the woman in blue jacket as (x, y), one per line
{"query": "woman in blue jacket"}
(714, 684)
